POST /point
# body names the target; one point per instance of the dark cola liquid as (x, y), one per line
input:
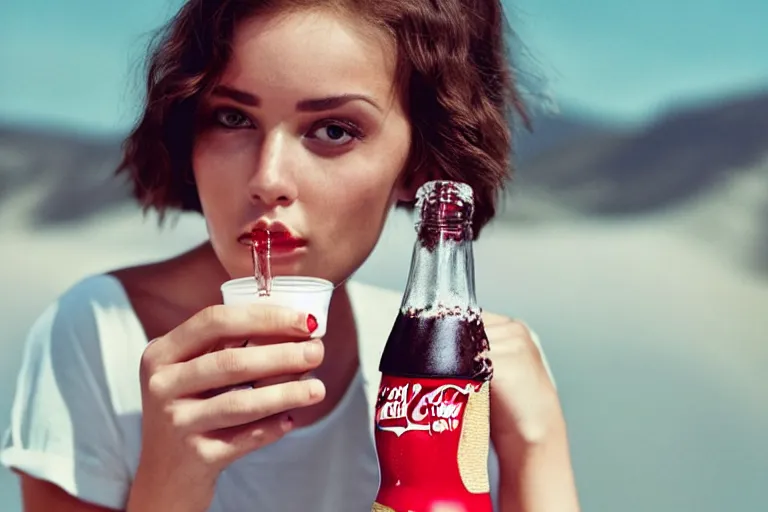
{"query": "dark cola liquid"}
(444, 345)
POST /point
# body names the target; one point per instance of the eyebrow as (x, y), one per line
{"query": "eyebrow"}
(331, 102)
(310, 105)
(237, 95)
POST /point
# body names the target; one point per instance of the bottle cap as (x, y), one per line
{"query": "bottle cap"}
(444, 202)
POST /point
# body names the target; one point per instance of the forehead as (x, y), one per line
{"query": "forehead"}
(310, 52)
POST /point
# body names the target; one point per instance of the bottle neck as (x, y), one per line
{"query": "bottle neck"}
(442, 274)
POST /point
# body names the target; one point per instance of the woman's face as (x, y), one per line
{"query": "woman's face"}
(304, 133)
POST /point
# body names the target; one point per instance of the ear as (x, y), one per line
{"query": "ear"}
(410, 183)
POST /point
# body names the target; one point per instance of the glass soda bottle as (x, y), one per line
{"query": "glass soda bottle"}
(432, 427)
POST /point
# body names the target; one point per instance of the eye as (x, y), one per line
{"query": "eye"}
(336, 133)
(230, 118)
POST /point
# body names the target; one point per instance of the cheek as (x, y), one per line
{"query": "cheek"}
(364, 199)
(368, 195)
(219, 187)
(204, 161)
(220, 173)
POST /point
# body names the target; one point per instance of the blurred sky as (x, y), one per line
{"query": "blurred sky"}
(75, 63)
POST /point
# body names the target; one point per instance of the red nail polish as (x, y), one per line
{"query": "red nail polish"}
(311, 323)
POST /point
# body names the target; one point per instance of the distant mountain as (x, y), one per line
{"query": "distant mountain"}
(674, 159)
(550, 132)
(71, 176)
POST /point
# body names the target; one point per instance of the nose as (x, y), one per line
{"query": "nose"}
(272, 183)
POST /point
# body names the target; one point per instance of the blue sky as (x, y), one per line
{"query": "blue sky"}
(75, 63)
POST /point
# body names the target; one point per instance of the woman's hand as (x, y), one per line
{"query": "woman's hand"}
(527, 424)
(191, 430)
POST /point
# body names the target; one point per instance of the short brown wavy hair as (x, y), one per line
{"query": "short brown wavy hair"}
(453, 70)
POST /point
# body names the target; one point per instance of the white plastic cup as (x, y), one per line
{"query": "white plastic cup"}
(307, 294)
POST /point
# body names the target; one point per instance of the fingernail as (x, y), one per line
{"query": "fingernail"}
(287, 423)
(312, 351)
(316, 388)
(311, 323)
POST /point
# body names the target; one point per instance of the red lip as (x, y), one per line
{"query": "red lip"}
(280, 237)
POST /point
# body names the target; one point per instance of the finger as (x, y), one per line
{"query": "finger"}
(232, 443)
(261, 383)
(257, 384)
(242, 406)
(252, 342)
(492, 319)
(238, 365)
(222, 323)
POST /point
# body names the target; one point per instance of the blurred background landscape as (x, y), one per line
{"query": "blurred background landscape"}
(634, 237)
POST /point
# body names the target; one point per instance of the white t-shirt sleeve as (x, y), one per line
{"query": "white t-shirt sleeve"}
(63, 427)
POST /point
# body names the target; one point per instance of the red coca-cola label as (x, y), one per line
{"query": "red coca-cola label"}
(410, 407)
(423, 434)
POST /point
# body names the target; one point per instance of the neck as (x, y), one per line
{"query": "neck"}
(204, 290)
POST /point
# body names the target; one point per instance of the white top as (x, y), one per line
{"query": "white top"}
(76, 417)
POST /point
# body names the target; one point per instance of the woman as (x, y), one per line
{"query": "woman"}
(309, 117)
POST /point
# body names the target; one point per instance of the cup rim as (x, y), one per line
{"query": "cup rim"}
(280, 284)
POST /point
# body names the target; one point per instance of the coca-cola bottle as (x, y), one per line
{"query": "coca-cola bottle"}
(432, 413)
